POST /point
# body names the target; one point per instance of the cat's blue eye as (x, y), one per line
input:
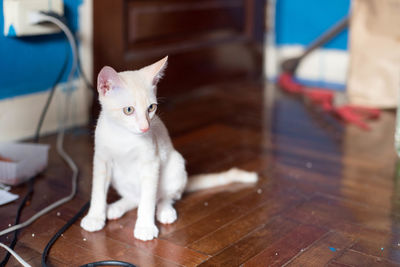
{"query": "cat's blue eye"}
(129, 110)
(152, 107)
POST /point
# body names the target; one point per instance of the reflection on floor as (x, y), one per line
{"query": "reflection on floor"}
(327, 194)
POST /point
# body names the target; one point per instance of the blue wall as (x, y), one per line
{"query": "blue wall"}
(31, 64)
(302, 21)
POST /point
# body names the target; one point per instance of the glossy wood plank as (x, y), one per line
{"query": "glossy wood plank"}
(225, 215)
(323, 251)
(287, 247)
(234, 231)
(196, 211)
(336, 264)
(334, 213)
(252, 244)
(197, 230)
(354, 258)
(377, 243)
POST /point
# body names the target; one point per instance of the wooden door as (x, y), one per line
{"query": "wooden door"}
(207, 40)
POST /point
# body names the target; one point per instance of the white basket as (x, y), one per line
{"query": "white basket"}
(28, 160)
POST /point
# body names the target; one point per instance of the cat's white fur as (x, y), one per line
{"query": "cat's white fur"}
(134, 153)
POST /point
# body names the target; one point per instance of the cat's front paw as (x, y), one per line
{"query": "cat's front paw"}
(166, 215)
(92, 224)
(145, 233)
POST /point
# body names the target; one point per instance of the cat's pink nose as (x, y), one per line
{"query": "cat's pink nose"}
(144, 129)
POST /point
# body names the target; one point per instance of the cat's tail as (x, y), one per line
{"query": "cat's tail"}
(204, 181)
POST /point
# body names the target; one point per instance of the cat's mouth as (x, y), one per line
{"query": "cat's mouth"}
(139, 132)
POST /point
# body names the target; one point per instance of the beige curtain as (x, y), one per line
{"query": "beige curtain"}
(374, 77)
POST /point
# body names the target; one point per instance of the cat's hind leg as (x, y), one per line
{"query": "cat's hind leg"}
(117, 209)
(166, 213)
(173, 182)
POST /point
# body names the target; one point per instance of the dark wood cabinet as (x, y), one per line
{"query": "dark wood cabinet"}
(208, 41)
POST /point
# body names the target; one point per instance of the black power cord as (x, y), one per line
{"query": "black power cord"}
(80, 69)
(109, 263)
(61, 231)
(46, 251)
(17, 219)
(36, 140)
(49, 245)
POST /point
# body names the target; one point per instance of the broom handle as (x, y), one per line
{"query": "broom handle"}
(327, 36)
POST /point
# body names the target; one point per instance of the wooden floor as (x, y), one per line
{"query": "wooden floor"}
(327, 194)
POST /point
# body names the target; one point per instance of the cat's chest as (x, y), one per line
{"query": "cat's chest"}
(125, 147)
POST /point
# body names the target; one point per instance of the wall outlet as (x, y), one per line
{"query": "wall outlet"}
(17, 16)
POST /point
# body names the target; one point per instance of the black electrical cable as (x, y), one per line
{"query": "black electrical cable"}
(61, 231)
(36, 140)
(50, 98)
(17, 219)
(64, 228)
(80, 69)
(109, 263)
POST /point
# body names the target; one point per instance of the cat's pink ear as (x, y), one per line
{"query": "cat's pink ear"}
(107, 80)
(156, 70)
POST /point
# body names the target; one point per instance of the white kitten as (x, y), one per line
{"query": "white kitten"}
(134, 153)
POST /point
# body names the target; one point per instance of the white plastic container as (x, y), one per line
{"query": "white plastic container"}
(27, 161)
